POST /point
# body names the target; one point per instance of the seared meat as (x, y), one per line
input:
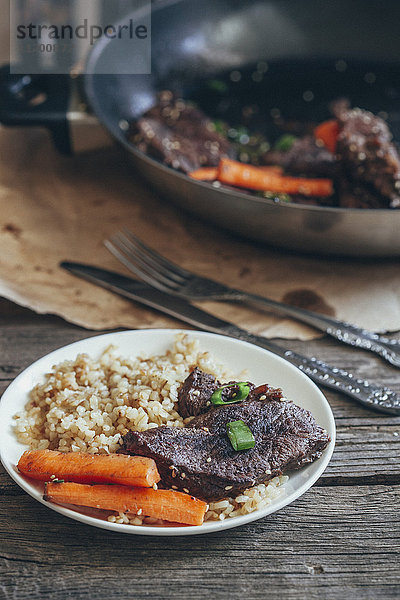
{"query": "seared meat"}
(195, 393)
(180, 135)
(368, 156)
(200, 459)
(305, 157)
(359, 196)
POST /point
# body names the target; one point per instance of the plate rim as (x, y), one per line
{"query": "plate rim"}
(207, 527)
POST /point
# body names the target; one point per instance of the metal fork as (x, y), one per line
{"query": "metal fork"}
(169, 277)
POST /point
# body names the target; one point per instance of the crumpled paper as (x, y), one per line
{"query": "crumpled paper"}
(56, 208)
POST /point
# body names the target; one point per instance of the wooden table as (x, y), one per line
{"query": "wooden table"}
(338, 541)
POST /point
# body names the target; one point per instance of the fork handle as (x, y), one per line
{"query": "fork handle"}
(340, 330)
(371, 395)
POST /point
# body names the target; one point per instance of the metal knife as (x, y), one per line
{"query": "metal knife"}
(370, 394)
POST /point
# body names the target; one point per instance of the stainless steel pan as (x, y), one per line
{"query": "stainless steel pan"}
(326, 48)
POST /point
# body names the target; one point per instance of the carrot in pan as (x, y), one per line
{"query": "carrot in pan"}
(211, 173)
(89, 468)
(205, 174)
(328, 132)
(159, 504)
(258, 178)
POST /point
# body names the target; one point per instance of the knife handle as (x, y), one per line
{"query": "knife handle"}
(343, 332)
(371, 395)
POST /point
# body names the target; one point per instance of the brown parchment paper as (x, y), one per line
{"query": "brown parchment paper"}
(54, 208)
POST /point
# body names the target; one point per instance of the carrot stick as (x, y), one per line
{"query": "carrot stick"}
(272, 169)
(328, 132)
(211, 173)
(205, 174)
(89, 468)
(160, 504)
(257, 178)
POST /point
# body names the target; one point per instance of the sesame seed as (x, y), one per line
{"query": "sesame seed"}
(186, 490)
(228, 487)
(196, 393)
(263, 397)
(171, 467)
(139, 512)
(268, 472)
(52, 476)
(155, 486)
(173, 474)
(209, 459)
(183, 475)
(174, 487)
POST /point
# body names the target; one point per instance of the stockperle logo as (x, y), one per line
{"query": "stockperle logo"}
(56, 36)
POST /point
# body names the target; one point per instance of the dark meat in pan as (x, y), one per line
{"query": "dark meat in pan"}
(368, 157)
(305, 157)
(180, 135)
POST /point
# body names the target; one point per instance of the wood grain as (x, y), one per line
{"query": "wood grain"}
(331, 543)
(340, 540)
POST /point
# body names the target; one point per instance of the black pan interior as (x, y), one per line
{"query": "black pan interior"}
(260, 63)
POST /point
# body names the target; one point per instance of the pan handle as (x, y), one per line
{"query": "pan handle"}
(54, 102)
(36, 100)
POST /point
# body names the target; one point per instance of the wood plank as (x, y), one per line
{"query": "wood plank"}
(332, 543)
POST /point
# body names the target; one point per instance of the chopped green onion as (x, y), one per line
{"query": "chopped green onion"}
(217, 85)
(241, 394)
(285, 142)
(240, 435)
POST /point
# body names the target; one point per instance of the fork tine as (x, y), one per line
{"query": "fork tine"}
(141, 261)
(157, 259)
(115, 248)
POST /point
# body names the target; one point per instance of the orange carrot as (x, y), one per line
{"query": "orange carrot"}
(258, 178)
(159, 504)
(211, 173)
(89, 468)
(205, 174)
(272, 169)
(328, 132)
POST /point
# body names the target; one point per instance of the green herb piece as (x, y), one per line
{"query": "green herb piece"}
(276, 196)
(240, 435)
(285, 142)
(217, 85)
(241, 394)
(57, 481)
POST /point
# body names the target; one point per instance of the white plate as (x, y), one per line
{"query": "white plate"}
(262, 366)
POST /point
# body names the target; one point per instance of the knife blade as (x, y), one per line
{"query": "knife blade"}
(367, 393)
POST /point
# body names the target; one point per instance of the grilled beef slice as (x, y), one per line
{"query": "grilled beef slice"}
(179, 134)
(305, 157)
(200, 459)
(368, 156)
(195, 393)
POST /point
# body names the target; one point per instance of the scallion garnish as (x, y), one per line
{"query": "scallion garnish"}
(285, 142)
(240, 435)
(241, 394)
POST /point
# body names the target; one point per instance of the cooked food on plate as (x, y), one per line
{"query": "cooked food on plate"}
(162, 438)
(347, 161)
